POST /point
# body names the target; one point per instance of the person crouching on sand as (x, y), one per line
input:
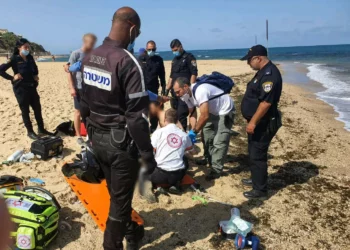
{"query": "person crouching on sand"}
(170, 144)
(25, 82)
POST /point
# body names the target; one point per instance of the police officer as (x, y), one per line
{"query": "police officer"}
(115, 105)
(184, 65)
(153, 69)
(24, 82)
(259, 107)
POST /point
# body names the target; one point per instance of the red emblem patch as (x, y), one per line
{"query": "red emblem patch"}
(23, 241)
(174, 141)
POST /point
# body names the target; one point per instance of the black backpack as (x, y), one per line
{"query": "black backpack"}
(66, 128)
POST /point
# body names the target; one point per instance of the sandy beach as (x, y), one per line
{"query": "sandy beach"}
(309, 197)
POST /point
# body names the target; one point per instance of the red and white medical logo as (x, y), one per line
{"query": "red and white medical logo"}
(17, 203)
(23, 241)
(174, 141)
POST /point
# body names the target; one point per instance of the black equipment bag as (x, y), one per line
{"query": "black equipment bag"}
(47, 147)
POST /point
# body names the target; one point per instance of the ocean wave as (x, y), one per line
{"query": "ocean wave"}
(43, 59)
(207, 56)
(324, 75)
(334, 97)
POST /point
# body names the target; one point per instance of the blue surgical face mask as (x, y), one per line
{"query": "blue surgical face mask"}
(131, 46)
(151, 53)
(25, 52)
(176, 53)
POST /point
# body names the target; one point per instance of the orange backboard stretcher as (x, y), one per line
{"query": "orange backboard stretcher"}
(95, 198)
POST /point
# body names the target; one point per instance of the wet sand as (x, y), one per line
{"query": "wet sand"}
(309, 197)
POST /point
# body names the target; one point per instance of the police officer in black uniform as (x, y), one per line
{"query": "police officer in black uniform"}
(24, 82)
(115, 104)
(184, 65)
(153, 69)
(259, 107)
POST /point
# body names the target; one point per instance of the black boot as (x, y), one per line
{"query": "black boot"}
(255, 194)
(114, 234)
(134, 235)
(212, 175)
(42, 132)
(32, 135)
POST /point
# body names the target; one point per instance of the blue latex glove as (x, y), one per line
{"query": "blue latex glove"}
(192, 136)
(152, 96)
(75, 67)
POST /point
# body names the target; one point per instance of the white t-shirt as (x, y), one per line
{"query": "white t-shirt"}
(170, 143)
(218, 106)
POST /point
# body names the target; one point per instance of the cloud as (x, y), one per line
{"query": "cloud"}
(305, 22)
(215, 30)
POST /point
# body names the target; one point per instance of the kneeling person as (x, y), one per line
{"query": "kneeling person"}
(170, 144)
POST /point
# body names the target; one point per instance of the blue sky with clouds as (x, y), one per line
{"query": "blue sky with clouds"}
(199, 24)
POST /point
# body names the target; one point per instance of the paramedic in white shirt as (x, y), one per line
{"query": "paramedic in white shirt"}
(170, 144)
(215, 120)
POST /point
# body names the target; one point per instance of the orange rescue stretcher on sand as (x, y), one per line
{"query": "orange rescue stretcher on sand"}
(96, 199)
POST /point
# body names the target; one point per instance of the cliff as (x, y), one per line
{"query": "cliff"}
(8, 42)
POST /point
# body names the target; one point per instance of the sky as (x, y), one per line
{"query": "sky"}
(199, 24)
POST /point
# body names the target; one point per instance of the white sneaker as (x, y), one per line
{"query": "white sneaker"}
(81, 141)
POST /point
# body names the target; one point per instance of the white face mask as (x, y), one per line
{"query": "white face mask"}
(185, 97)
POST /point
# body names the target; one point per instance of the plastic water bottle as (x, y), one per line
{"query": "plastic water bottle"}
(15, 156)
(236, 225)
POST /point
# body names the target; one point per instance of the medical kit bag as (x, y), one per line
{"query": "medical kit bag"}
(47, 147)
(35, 214)
(10, 183)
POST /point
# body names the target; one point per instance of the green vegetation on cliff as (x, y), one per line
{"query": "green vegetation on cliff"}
(8, 42)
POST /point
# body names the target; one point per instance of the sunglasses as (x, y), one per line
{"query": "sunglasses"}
(154, 50)
(252, 58)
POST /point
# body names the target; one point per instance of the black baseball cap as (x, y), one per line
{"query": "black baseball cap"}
(257, 50)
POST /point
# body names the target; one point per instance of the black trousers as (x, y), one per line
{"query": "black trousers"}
(121, 171)
(29, 97)
(258, 146)
(153, 119)
(182, 109)
(160, 176)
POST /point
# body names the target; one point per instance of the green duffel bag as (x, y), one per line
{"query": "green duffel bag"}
(35, 213)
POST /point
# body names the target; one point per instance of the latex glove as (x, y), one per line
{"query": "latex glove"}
(163, 92)
(193, 136)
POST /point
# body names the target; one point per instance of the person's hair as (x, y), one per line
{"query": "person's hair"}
(171, 116)
(91, 35)
(19, 43)
(175, 43)
(152, 42)
(182, 81)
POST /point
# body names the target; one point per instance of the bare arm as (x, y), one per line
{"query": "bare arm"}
(193, 78)
(193, 117)
(168, 85)
(203, 118)
(71, 84)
